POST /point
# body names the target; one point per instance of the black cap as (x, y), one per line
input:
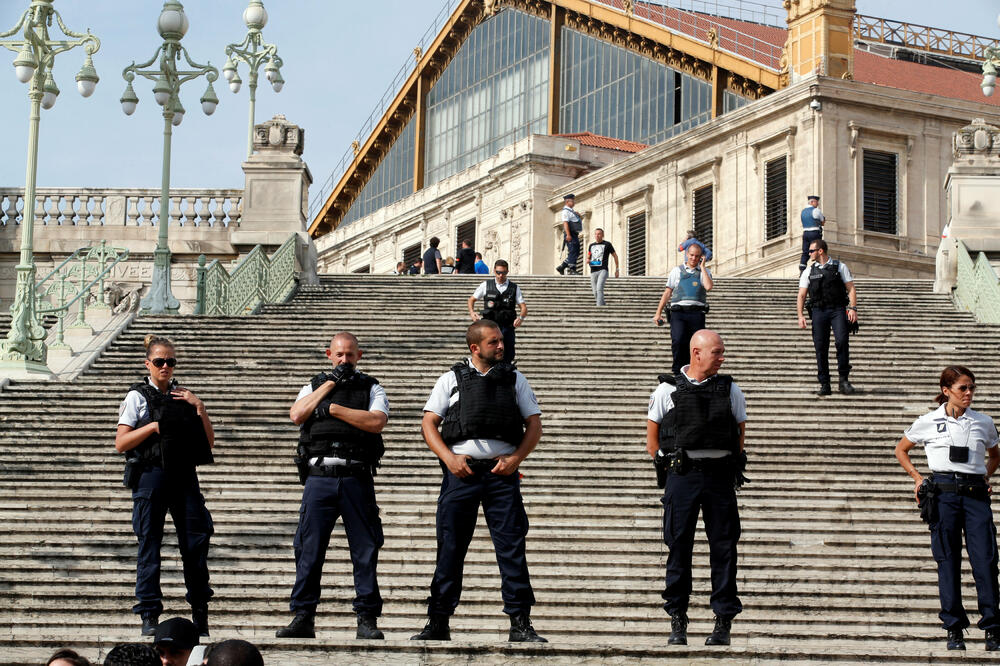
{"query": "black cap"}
(569, 196)
(812, 196)
(177, 632)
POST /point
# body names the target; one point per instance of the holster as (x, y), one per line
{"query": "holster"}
(660, 465)
(133, 470)
(301, 463)
(739, 467)
(927, 500)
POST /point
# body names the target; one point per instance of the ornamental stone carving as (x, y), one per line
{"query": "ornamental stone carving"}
(977, 142)
(278, 135)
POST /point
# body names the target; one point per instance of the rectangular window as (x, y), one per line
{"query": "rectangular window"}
(465, 231)
(702, 215)
(775, 198)
(364, 269)
(411, 254)
(879, 191)
(636, 251)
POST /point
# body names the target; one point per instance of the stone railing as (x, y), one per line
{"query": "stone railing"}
(256, 280)
(977, 287)
(123, 207)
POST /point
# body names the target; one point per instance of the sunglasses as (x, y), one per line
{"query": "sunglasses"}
(815, 249)
(964, 387)
(160, 362)
(500, 272)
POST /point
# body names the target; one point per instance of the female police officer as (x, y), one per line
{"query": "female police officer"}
(957, 441)
(164, 431)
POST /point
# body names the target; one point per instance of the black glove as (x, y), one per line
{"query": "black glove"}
(853, 328)
(340, 373)
(741, 467)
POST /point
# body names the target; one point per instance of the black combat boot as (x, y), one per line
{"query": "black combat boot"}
(824, 389)
(368, 627)
(303, 625)
(955, 639)
(720, 635)
(560, 268)
(200, 618)
(521, 630)
(436, 629)
(678, 630)
(149, 622)
(993, 640)
(846, 388)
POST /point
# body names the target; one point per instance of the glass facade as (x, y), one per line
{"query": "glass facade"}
(392, 180)
(494, 92)
(731, 101)
(614, 92)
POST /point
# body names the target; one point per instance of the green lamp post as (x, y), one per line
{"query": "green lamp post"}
(168, 79)
(253, 52)
(23, 352)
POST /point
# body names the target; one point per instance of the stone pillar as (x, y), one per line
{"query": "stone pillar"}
(276, 195)
(819, 38)
(973, 195)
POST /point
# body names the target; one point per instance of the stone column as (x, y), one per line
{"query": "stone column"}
(973, 194)
(276, 195)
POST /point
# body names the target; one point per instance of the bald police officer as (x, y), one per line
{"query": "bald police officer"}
(341, 414)
(489, 422)
(696, 425)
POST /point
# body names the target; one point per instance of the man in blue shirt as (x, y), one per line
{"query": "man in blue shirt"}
(481, 267)
(812, 228)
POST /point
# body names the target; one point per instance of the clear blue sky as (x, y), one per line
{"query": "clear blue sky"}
(339, 55)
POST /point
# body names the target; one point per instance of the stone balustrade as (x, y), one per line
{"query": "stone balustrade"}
(123, 207)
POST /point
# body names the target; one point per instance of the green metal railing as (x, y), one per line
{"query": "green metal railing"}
(255, 281)
(71, 283)
(977, 288)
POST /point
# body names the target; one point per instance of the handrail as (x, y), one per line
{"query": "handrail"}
(922, 37)
(85, 263)
(256, 280)
(977, 288)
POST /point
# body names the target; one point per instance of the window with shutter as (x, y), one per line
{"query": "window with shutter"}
(636, 251)
(775, 198)
(879, 192)
(465, 231)
(411, 254)
(702, 215)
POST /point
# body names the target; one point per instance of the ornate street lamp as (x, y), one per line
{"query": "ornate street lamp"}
(172, 25)
(991, 58)
(24, 351)
(253, 52)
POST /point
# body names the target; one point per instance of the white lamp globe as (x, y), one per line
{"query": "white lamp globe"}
(173, 22)
(255, 16)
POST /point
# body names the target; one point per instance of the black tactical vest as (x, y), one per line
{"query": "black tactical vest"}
(486, 408)
(702, 417)
(325, 435)
(181, 442)
(500, 307)
(826, 288)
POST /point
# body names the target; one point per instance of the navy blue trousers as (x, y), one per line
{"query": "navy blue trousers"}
(823, 319)
(683, 496)
(158, 493)
(573, 251)
(807, 239)
(683, 325)
(958, 514)
(509, 340)
(324, 499)
(458, 509)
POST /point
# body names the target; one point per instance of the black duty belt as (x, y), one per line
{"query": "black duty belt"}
(710, 464)
(481, 465)
(689, 308)
(960, 476)
(965, 485)
(339, 470)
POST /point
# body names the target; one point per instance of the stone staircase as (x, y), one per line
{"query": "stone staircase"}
(835, 564)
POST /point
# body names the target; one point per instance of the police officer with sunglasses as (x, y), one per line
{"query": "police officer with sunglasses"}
(164, 432)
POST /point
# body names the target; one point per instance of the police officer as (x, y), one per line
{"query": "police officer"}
(341, 415)
(812, 228)
(503, 303)
(164, 432)
(489, 422)
(572, 226)
(832, 303)
(957, 441)
(697, 421)
(687, 291)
